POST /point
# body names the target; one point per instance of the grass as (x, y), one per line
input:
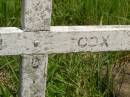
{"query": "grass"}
(74, 74)
(90, 12)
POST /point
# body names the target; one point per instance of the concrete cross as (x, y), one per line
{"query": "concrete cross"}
(37, 39)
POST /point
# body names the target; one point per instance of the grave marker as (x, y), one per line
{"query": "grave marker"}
(37, 39)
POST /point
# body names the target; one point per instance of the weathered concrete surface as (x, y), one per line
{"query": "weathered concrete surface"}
(33, 75)
(65, 39)
(36, 15)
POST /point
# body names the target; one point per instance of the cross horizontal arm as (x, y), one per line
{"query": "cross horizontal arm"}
(64, 39)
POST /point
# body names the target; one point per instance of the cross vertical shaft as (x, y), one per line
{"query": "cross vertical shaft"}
(36, 17)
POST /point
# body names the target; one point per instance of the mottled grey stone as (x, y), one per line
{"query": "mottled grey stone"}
(33, 75)
(36, 15)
